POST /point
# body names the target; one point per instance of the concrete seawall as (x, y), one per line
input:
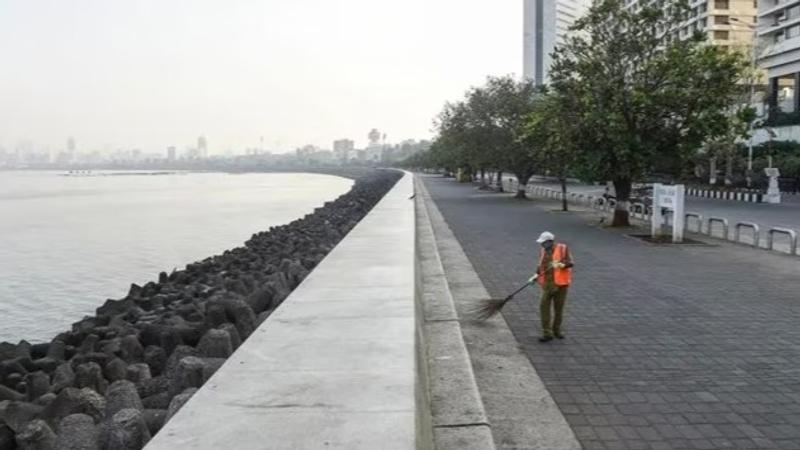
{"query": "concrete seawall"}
(335, 365)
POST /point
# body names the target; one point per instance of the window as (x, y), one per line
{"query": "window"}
(721, 20)
(721, 4)
(721, 35)
(792, 32)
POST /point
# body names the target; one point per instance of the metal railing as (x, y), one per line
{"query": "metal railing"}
(697, 216)
(724, 222)
(792, 238)
(642, 212)
(737, 232)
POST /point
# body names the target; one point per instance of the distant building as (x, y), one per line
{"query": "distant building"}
(171, 153)
(546, 24)
(779, 39)
(202, 147)
(343, 149)
(374, 151)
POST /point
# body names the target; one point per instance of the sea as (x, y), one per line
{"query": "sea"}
(69, 241)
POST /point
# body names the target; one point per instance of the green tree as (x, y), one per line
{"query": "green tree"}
(550, 128)
(510, 103)
(641, 96)
(486, 130)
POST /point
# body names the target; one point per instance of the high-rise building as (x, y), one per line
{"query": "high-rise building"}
(779, 55)
(546, 24)
(727, 23)
(202, 146)
(171, 152)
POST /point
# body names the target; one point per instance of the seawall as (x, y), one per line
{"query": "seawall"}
(116, 377)
(335, 365)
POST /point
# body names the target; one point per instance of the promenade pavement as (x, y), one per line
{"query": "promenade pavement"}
(668, 347)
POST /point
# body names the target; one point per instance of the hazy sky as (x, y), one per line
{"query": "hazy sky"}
(155, 73)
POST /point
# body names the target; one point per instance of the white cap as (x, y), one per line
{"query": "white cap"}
(544, 237)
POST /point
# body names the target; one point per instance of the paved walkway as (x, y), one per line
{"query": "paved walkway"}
(690, 347)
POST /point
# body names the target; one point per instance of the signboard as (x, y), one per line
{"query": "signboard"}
(669, 198)
(666, 195)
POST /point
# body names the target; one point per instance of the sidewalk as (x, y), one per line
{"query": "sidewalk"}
(667, 347)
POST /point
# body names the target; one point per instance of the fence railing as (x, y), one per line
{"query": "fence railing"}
(642, 212)
(720, 220)
(792, 238)
(737, 232)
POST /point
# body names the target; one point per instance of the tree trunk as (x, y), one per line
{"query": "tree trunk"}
(712, 173)
(729, 169)
(500, 181)
(483, 177)
(521, 185)
(623, 188)
(564, 206)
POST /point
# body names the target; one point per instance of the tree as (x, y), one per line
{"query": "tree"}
(550, 128)
(510, 104)
(485, 130)
(640, 95)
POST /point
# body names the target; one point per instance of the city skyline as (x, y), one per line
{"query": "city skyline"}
(151, 75)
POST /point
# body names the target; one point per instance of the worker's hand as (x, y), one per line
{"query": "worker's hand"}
(532, 279)
(558, 265)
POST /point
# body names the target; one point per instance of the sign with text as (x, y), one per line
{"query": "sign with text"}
(669, 198)
(666, 195)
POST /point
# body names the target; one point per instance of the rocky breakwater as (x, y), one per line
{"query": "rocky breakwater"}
(114, 379)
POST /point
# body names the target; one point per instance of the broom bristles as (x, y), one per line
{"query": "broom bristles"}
(487, 309)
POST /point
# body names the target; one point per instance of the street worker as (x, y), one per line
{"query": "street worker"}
(554, 274)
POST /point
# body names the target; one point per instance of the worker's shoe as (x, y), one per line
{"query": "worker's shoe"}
(545, 338)
(558, 335)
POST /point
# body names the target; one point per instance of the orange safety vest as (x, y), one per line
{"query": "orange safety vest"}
(561, 277)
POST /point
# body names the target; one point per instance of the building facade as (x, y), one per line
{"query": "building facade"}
(727, 23)
(779, 39)
(546, 24)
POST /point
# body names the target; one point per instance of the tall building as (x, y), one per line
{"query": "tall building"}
(202, 147)
(171, 153)
(727, 23)
(779, 42)
(546, 24)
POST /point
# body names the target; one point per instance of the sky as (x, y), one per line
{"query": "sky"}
(150, 74)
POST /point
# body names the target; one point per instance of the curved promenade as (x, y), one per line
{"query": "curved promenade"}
(335, 364)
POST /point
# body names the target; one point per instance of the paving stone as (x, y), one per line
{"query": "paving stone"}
(702, 339)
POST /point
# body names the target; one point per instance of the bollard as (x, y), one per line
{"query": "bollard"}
(792, 238)
(737, 231)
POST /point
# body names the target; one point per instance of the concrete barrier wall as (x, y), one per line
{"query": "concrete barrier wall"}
(335, 364)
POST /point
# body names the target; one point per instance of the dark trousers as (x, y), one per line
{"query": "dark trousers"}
(552, 298)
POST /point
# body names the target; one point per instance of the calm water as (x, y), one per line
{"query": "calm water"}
(69, 243)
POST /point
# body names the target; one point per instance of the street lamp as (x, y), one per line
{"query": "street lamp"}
(754, 65)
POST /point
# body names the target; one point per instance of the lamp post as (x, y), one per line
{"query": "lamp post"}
(754, 66)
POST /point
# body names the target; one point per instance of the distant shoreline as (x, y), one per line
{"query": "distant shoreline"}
(351, 172)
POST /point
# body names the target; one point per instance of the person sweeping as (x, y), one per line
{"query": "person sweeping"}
(554, 275)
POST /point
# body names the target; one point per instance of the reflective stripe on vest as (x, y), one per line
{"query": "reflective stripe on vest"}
(561, 277)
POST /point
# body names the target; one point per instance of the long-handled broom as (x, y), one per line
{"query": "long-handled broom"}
(488, 308)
